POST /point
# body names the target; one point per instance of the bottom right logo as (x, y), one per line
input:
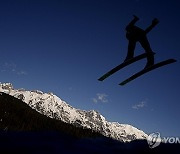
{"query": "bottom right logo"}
(154, 140)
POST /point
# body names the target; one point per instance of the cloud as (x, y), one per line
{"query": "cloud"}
(94, 100)
(8, 67)
(21, 73)
(12, 68)
(102, 98)
(140, 105)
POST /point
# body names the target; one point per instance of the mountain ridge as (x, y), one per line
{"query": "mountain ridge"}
(52, 106)
(24, 130)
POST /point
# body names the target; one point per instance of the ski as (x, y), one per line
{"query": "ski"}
(160, 64)
(122, 65)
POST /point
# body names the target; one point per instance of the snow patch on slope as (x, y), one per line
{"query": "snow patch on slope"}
(52, 106)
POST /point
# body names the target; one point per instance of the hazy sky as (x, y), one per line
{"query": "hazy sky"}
(64, 46)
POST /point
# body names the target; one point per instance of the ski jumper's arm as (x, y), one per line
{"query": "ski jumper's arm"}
(132, 22)
(154, 23)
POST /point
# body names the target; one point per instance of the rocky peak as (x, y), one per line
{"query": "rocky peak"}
(6, 86)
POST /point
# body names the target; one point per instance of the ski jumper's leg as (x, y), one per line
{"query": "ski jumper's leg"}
(150, 57)
(131, 48)
(145, 44)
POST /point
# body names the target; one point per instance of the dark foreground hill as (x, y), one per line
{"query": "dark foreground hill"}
(16, 115)
(23, 130)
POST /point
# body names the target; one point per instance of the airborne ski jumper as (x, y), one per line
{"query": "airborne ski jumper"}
(135, 34)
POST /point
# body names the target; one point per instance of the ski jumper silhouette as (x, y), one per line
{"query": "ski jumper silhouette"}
(135, 34)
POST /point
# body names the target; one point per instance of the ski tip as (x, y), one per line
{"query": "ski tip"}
(171, 61)
(174, 60)
(100, 79)
(123, 83)
(103, 78)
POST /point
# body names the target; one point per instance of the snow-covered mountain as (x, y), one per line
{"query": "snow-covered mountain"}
(53, 107)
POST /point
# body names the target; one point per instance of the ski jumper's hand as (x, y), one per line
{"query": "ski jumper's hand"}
(135, 17)
(155, 21)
